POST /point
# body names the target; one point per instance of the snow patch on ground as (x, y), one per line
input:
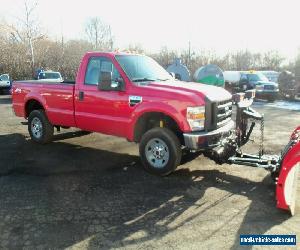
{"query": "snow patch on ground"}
(279, 104)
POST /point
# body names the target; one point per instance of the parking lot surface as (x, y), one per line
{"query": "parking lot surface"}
(89, 191)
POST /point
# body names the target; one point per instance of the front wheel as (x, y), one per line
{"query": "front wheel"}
(39, 127)
(160, 151)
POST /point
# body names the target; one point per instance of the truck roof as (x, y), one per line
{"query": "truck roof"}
(112, 53)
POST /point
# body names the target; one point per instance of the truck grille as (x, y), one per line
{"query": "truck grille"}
(269, 87)
(217, 114)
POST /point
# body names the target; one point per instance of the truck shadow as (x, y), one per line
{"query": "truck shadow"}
(5, 99)
(62, 195)
(68, 135)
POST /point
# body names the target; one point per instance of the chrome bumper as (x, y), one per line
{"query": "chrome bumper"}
(206, 140)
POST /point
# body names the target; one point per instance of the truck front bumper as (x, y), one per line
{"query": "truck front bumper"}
(267, 94)
(208, 140)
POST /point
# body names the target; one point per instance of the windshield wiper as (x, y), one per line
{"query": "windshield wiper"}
(163, 80)
(143, 80)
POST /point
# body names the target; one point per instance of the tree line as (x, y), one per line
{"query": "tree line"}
(24, 48)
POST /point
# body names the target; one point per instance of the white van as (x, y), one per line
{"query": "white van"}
(4, 82)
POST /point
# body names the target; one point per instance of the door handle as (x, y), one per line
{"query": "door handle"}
(81, 96)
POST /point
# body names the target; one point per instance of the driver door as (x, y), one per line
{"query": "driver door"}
(104, 111)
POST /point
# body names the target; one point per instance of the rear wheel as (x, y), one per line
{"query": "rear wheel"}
(39, 127)
(160, 151)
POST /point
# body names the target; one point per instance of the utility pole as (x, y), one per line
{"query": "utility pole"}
(189, 56)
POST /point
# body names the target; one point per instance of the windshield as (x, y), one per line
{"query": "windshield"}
(49, 75)
(142, 68)
(4, 77)
(257, 77)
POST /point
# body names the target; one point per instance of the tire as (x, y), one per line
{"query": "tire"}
(167, 155)
(39, 127)
(271, 99)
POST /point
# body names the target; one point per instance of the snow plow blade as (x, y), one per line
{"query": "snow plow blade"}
(286, 187)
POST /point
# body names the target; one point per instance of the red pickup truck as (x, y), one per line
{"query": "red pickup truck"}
(130, 96)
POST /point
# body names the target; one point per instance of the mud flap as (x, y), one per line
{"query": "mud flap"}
(286, 188)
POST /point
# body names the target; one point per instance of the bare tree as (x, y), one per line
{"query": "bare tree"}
(28, 31)
(272, 60)
(165, 56)
(99, 34)
(136, 48)
(295, 66)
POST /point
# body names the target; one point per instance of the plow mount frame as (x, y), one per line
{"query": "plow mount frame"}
(283, 167)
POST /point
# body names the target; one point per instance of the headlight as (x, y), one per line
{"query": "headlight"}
(196, 117)
(259, 87)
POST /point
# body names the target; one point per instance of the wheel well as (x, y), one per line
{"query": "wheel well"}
(155, 119)
(32, 105)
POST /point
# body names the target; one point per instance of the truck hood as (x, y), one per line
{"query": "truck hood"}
(267, 83)
(211, 92)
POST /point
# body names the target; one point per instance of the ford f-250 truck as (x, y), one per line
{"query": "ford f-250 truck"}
(130, 96)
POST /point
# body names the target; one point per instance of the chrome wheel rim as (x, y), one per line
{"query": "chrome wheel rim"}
(36, 127)
(157, 153)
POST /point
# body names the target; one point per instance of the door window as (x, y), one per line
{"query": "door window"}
(97, 65)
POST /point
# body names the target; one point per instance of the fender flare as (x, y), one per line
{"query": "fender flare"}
(29, 98)
(163, 108)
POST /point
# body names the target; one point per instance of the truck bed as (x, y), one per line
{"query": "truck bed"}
(57, 99)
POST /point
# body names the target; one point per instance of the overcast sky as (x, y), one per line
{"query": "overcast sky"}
(224, 25)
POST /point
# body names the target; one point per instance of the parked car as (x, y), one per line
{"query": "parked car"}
(50, 76)
(258, 81)
(246, 80)
(130, 96)
(5, 83)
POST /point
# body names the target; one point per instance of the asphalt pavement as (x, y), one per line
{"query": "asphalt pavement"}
(89, 191)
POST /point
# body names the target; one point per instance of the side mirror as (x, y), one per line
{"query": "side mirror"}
(118, 84)
(105, 82)
(172, 74)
